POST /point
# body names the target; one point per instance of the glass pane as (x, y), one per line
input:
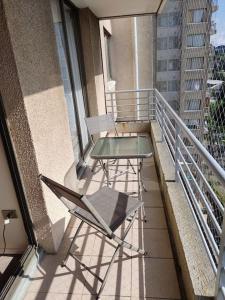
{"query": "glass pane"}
(198, 16)
(67, 88)
(77, 78)
(125, 147)
(161, 65)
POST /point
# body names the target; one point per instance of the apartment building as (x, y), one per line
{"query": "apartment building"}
(168, 73)
(183, 51)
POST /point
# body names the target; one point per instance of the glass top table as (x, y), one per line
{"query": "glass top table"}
(122, 147)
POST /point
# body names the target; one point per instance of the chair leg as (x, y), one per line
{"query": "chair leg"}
(63, 263)
(121, 243)
(131, 166)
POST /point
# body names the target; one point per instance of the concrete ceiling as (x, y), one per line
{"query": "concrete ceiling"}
(117, 8)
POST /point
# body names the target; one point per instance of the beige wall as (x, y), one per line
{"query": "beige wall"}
(132, 51)
(146, 46)
(122, 53)
(8, 200)
(36, 113)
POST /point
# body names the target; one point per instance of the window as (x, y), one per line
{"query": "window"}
(192, 124)
(195, 40)
(162, 86)
(173, 42)
(195, 63)
(173, 85)
(161, 65)
(162, 43)
(169, 20)
(192, 104)
(193, 85)
(173, 19)
(173, 64)
(162, 20)
(69, 53)
(107, 37)
(198, 15)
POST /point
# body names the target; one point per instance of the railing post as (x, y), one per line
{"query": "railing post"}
(177, 148)
(220, 276)
(154, 104)
(163, 121)
(112, 104)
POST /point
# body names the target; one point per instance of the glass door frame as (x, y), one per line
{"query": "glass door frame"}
(17, 184)
(76, 27)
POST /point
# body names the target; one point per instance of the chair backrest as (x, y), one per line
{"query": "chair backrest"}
(99, 124)
(72, 199)
(69, 198)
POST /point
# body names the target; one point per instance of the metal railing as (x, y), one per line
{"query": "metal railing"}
(131, 105)
(194, 166)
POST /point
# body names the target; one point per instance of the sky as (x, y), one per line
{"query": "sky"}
(219, 18)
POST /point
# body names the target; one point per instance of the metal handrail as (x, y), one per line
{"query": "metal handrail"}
(173, 131)
(219, 171)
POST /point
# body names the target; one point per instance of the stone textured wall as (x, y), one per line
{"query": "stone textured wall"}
(36, 114)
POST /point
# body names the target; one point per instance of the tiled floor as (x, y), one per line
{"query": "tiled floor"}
(132, 276)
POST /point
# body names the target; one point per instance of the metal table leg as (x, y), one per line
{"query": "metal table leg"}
(140, 185)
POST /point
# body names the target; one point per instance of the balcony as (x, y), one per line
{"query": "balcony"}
(184, 221)
(50, 81)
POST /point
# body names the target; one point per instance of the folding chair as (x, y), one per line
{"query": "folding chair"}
(105, 210)
(98, 124)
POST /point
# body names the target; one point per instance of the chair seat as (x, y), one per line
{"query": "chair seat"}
(114, 207)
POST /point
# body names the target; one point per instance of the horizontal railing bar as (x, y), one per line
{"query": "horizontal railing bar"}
(210, 190)
(130, 91)
(201, 216)
(171, 124)
(206, 244)
(136, 110)
(201, 149)
(126, 99)
(139, 104)
(169, 141)
(219, 231)
(168, 131)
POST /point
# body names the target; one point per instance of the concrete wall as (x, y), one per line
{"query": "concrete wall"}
(36, 113)
(195, 267)
(8, 200)
(90, 36)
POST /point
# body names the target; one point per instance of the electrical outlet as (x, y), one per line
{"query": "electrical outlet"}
(9, 214)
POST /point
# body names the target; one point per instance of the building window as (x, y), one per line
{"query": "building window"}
(192, 124)
(195, 40)
(173, 65)
(162, 43)
(163, 20)
(195, 63)
(107, 37)
(193, 104)
(198, 15)
(169, 20)
(173, 85)
(173, 42)
(162, 86)
(174, 19)
(161, 65)
(194, 85)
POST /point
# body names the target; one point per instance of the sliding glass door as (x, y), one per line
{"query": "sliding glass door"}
(69, 52)
(72, 35)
